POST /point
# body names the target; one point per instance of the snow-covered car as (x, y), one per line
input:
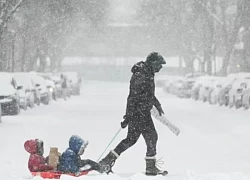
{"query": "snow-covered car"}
(51, 85)
(207, 88)
(198, 84)
(176, 86)
(9, 97)
(160, 80)
(41, 88)
(231, 94)
(167, 84)
(74, 82)
(186, 90)
(246, 96)
(58, 86)
(237, 90)
(23, 99)
(217, 85)
(223, 95)
(27, 91)
(195, 90)
(51, 89)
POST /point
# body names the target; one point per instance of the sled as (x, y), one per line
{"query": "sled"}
(57, 175)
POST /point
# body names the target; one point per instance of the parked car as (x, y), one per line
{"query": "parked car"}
(50, 84)
(176, 86)
(58, 86)
(41, 88)
(186, 90)
(217, 85)
(27, 91)
(223, 96)
(51, 88)
(246, 96)
(167, 84)
(74, 82)
(207, 88)
(160, 80)
(237, 90)
(9, 96)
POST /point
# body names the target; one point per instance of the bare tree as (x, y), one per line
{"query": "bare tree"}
(7, 10)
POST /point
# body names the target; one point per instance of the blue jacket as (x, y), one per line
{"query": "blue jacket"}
(70, 160)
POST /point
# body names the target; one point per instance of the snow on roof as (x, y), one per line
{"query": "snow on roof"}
(55, 78)
(23, 79)
(6, 88)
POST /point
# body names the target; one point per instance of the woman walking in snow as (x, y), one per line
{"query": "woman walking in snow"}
(140, 101)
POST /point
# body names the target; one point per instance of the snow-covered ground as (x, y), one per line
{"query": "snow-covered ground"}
(213, 144)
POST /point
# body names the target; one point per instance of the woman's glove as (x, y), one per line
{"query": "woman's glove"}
(160, 110)
(125, 122)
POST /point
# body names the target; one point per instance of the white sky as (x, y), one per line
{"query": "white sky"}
(123, 10)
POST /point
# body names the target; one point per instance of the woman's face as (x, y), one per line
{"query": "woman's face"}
(156, 67)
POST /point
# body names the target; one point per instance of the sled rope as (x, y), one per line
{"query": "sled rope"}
(109, 143)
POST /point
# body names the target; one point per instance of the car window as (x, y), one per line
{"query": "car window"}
(13, 83)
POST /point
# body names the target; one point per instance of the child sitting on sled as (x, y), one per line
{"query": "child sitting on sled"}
(71, 162)
(37, 163)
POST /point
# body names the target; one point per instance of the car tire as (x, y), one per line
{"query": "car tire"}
(15, 110)
(38, 102)
(31, 105)
(237, 104)
(25, 107)
(46, 102)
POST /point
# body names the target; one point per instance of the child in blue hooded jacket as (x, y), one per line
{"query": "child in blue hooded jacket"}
(70, 160)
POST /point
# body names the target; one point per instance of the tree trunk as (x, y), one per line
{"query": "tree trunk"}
(13, 56)
(215, 60)
(226, 42)
(53, 60)
(180, 65)
(230, 41)
(189, 61)
(1, 55)
(42, 59)
(23, 60)
(207, 60)
(247, 50)
(246, 37)
(208, 41)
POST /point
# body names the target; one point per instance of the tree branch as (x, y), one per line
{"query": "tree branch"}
(5, 15)
(214, 16)
(14, 10)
